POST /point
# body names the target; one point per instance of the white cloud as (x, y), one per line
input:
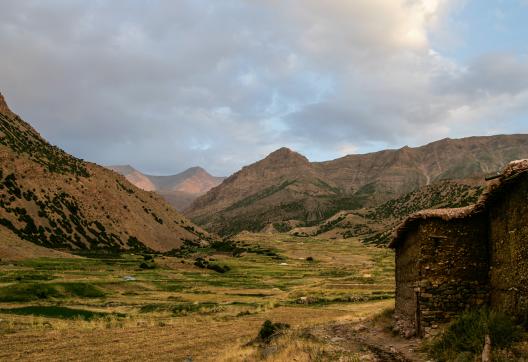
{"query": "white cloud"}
(167, 85)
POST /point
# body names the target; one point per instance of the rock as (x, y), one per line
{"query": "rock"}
(486, 352)
(408, 333)
(359, 328)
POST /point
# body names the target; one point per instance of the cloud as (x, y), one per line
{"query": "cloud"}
(167, 85)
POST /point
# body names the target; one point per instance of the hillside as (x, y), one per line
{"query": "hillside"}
(55, 200)
(14, 248)
(178, 190)
(286, 188)
(374, 225)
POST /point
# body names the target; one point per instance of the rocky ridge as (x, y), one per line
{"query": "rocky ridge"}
(285, 187)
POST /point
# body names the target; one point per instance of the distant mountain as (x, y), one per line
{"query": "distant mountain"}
(178, 190)
(286, 188)
(55, 200)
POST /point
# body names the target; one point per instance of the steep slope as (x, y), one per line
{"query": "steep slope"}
(56, 200)
(14, 248)
(383, 175)
(285, 186)
(178, 190)
(374, 224)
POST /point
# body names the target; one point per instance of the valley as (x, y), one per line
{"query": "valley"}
(264, 181)
(284, 259)
(178, 309)
(178, 190)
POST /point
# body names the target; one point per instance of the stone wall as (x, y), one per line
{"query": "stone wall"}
(508, 214)
(454, 268)
(407, 278)
(441, 270)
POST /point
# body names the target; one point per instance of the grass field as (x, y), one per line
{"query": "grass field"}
(129, 308)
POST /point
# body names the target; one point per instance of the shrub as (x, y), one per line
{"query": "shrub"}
(145, 265)
(270, 330)
(465, 336)
(205, 264)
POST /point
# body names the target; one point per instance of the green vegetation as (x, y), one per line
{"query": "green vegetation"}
(465, 337)
(260, 195)
(182, 308)
(270, 330)
(258, 269)
(27, 292)
(443, 194)
(329, 225)
(22, 139)
(282, 227)
(268, 277)
(56, 312)
(122, 186)
(206, 264)
(60, 223)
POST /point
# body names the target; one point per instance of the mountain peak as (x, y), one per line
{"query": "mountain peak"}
(284, 154)
(195, 170)
(4, 108)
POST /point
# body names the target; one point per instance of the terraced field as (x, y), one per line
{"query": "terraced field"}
(202, 304)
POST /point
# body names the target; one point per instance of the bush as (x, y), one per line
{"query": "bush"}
(310, 258)
(270, 330)
(145, 265)
(465, 336)
(205, 264)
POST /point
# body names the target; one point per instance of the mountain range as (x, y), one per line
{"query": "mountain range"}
(285, 187)
(179, 190)
(54, 200)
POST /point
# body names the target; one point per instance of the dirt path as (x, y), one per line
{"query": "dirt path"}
(377, 339)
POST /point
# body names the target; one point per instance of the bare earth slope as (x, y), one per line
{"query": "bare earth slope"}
(14, 248)
(178, 190)
(56, 200)
(286, 186)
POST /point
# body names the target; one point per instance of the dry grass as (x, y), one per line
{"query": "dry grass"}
(292, 346)
(178, 310)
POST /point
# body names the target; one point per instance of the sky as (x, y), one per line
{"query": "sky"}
(164, 85)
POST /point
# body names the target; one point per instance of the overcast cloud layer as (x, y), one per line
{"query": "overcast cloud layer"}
(165, 85)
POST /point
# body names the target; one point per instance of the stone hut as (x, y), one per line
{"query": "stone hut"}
(450, 260)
